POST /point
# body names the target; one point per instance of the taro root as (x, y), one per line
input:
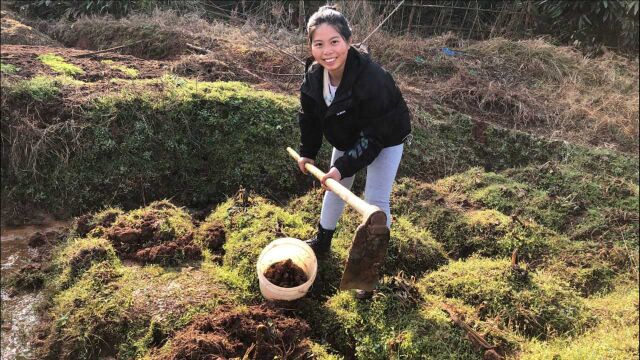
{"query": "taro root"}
(286, 274)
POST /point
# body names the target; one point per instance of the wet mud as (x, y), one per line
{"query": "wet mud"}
(21, 253)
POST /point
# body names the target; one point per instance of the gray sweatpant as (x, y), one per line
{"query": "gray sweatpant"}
(380, 176)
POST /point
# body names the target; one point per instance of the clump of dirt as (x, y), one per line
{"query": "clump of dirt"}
(170, 251)
(45, 238)
(86, 223)
(213, 237)
(148, 240)
(286, 274)
(30, 277)
(85, 257)
(257, 333)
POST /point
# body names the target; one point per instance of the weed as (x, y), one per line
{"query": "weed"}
(39, 88)
(129, 72)
(59, 65)
(8, 69)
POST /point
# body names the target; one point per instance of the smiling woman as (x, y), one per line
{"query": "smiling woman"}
(356, 105)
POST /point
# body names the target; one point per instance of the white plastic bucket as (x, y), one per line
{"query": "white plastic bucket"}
(300, 254)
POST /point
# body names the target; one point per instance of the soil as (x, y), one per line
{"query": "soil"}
(15, 32)
(25, 57)
(84, 223)
(261, 332)
(213, 238)
(286, 274)
(145, 244)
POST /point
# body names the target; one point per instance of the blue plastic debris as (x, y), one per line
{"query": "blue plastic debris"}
(450, 52)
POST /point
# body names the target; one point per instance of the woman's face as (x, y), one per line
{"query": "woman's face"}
(328, 48)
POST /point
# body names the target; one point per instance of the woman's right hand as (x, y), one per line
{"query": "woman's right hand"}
(302, 162)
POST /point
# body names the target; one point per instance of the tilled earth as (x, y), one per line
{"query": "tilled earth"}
(260, 332)
(25, 57)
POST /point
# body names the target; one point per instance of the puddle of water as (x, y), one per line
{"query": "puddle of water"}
(19, 321)
(19, 316)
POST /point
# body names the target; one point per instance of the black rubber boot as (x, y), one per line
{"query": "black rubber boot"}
(322, 241)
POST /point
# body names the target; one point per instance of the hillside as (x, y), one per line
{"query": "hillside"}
(167, 161)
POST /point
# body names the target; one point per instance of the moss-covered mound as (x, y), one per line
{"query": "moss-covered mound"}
(144, 140)
(96, 223)
(78, 255)
(160, 233)
(564, 197)
(398, 323)
(250, 226)
(614, 336)
(464, 229)
(89, 318)
(538, 305)
(412, 250)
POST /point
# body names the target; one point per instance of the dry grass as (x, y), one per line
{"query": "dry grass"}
(529, 85)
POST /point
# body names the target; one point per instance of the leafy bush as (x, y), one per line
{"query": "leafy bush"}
(588, 23)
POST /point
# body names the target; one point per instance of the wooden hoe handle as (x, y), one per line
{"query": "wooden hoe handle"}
(360, 205)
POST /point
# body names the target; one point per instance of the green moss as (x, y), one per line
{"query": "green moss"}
(321, 352)
(539, 306)
(80, 254)
(251, 228)
(398, 324)
(129, 72)
(615, 336)
(412, 250)
(588, 267)
(59, 65)
(39, 88)
(8, 69)
(91, 316)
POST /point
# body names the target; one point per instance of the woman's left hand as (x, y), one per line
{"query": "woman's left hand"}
(334, 174)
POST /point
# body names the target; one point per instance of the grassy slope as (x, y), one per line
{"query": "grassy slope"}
(468, 195)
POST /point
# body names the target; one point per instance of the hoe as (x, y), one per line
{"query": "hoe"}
(369, 246)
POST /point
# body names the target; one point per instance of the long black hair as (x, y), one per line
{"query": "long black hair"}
(329, 15)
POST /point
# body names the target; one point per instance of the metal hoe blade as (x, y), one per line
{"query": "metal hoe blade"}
(367, 253)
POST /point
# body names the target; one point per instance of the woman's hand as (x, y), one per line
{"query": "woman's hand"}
(302, 161)
(334, 174)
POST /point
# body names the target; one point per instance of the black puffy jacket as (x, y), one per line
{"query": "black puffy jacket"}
(367, 114)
